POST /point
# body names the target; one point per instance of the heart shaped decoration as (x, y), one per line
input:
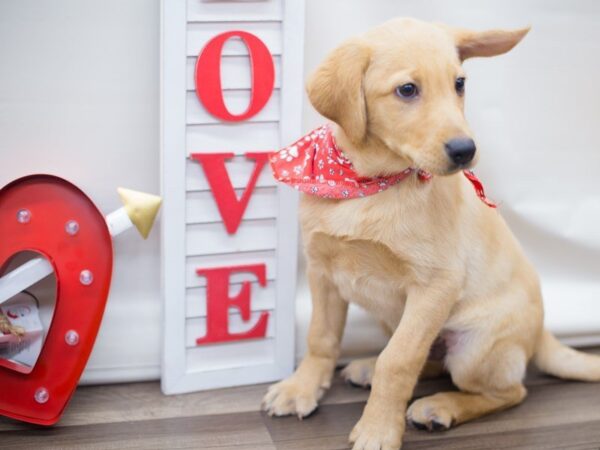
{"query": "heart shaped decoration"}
(51, 216)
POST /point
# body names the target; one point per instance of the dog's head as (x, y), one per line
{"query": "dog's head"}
(401, 86)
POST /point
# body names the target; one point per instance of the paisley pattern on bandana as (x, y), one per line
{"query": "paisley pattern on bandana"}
(315, 165)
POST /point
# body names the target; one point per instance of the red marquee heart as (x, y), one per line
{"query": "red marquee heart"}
(41, 396)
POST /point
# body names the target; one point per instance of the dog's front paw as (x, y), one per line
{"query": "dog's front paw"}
(379, 432)
(291, 397)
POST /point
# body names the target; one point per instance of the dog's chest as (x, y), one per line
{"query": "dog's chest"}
(378, 295)
(373, 249)
(364, 272)
(403, 221)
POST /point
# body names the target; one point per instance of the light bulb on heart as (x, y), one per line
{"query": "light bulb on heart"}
(52, 217)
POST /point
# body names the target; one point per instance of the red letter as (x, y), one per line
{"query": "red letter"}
(208, 76)
(231, 209)
(218, 303)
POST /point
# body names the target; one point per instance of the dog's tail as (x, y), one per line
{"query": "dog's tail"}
(561, 361)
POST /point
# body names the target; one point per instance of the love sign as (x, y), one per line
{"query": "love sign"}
(229, 233)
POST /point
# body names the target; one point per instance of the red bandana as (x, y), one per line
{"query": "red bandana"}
(315, 165)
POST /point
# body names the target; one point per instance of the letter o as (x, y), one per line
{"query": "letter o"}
(208, 76)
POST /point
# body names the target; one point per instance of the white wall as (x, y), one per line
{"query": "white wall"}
(79, 97)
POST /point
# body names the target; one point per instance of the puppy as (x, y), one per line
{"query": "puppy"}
(420, 251)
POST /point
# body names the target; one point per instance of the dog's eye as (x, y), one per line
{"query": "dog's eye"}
(459, 85)
(408, 90)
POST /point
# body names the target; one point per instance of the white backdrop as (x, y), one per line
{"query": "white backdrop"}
(79, 97)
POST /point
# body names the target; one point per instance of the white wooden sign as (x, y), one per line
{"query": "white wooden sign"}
(231, 91)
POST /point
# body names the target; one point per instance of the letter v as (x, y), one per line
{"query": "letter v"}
(231, 209)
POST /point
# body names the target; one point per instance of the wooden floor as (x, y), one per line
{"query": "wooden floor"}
(556, 415)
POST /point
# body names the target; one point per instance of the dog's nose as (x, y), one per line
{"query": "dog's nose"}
(461, 150)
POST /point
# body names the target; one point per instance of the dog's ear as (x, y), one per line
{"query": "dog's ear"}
(486, 43)
(336, 88)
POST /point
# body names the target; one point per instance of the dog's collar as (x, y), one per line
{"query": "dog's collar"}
(315, 165)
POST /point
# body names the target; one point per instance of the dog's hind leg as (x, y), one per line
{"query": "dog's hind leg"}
(360, 371)
(300, 393)
(487, 384)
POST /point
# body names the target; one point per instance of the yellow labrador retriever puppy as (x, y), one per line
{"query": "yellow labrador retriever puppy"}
(424, 254)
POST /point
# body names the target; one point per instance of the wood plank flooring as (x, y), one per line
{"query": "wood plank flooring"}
(556, 415)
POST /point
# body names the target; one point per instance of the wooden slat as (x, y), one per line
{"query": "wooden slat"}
(196, 327)
(213, 239)
(143, 401)
(237, 101)
(583, 436)
(227, 355)
(221, 11)
(260, 137)
(239, 169)
(199, 34)
(227, 260)
(263, 298)
(173, 153)
(235, 72)
(328, 429)
(240, 432)
(201, 207)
